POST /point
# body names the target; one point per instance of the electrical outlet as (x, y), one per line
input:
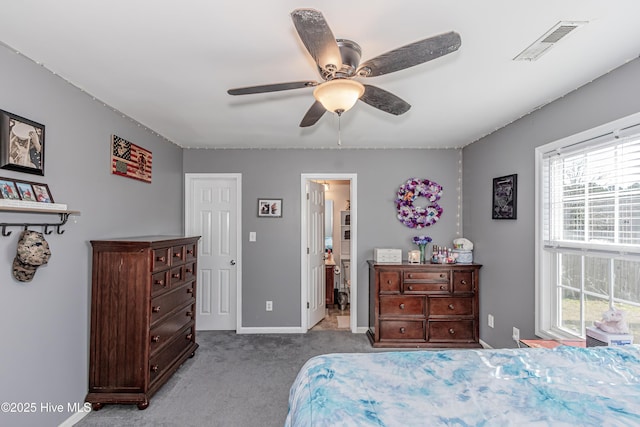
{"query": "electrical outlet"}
(516, 334)
(490, 320)
(269, 306)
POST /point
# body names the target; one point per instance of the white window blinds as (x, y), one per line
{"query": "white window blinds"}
(591, 193)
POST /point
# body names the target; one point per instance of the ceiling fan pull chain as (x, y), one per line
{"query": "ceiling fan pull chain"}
(339, 131)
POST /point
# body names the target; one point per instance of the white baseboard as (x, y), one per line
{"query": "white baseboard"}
(74, 419)
(484, 344)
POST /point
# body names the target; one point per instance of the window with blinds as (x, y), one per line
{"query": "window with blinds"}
(588, 199)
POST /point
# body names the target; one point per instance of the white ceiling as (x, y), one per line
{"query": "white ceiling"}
(167, 64)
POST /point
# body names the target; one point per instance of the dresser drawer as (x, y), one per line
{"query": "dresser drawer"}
(189, 271)
(463, 281)
(451, 331)
(160, 259)
(402, 330)
(177, 255)
(390, 282)
(162, 333)
(159, 282)
(191, 250)
(401, 306)
(447, 306)
(165, 304)
(426, 276)
(425, 287)
(176, 276)
(162, 361)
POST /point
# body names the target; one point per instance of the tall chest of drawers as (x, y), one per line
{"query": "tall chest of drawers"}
(423, 305)
(143, 305)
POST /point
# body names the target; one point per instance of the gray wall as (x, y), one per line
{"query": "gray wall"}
(506, 247)
(45, 323)
(272, 264)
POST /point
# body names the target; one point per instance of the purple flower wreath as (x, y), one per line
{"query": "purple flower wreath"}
(417, 216)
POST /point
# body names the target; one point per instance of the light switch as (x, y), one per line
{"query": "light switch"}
(252, 236)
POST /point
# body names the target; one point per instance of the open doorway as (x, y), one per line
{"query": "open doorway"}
(339, 244)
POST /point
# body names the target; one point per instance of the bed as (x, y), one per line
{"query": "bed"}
(564, 386)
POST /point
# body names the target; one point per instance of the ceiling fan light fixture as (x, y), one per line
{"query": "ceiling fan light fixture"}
(338, 95)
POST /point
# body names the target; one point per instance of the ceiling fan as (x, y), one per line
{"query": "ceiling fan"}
(338, 63)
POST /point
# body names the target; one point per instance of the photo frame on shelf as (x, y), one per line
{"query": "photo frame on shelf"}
(8, 189)
(22, 144)
(270, 208)
(505, 189)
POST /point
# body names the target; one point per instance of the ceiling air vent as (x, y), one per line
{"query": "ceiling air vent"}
(548, 40)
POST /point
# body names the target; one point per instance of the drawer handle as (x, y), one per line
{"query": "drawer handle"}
(464, 282)
(388, 282)
(410, 288)
(190, 251)
(155, 338)
(451, 307)
(451, 331)
(175, 275)
(160, 282)
(161, 259)
(189, 313)
(156, 309)
(190, 290)
(402, 306)
(442, 275)
(402, 330)
(189, 337)
(188, 270)
(154, 368)
(177, 255)
(442, 287)
(410, 276)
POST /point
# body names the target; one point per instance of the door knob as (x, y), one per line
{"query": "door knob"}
(233, 262)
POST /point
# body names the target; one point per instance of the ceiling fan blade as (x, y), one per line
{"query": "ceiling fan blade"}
(411, 54)
(313, 115)
(318, 39)
(383, 100)
(275, 87)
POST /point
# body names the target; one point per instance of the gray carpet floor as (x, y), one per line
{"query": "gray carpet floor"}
(233, 380)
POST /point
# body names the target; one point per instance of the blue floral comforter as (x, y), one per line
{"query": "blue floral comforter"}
(565, 386)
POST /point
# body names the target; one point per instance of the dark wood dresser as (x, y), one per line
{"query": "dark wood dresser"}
(423, 305)
(143, 314)
(329, 283)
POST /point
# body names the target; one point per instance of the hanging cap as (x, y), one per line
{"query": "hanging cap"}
(33, 251)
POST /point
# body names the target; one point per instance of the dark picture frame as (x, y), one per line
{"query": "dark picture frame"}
(22, 144)
(270, 208)
(505, 192)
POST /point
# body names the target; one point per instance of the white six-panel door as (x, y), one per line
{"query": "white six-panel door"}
(315, 240)
(212, 211)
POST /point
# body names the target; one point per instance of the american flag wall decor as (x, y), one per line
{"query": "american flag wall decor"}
(129, 160)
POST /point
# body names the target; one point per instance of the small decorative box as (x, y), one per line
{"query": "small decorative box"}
(387, 255)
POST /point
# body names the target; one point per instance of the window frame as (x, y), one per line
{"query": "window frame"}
(546, 295)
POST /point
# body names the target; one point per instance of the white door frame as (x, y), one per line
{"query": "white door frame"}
(353, 271)
(187, 215)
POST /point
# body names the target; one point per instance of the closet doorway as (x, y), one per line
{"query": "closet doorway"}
(339, 243)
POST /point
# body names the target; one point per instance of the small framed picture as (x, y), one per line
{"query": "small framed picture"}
(504, 197)
(21, 144)
(8, 189)
(26, 191)
(42, 193)
(270, 208)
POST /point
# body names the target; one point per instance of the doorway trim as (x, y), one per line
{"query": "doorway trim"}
(188, 177)
(353, 241)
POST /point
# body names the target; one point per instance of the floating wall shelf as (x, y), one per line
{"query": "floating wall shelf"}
(64, 216)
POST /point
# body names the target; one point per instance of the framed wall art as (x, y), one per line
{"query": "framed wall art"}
(270, 208)
(21, 144)
(129, 160)
(505, 190)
